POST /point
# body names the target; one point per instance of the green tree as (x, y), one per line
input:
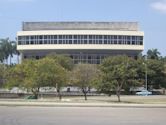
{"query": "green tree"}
(26, 75)
(83, 76)
(57, 76)
(63, 60)
(3, 69)
(118, 72)
(65, 66)
(153, 54)
(155, 73)
(34, 74)
(7, 49)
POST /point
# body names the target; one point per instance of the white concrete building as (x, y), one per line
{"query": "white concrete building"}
(87, 42)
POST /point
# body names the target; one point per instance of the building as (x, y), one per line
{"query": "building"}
(87, 42)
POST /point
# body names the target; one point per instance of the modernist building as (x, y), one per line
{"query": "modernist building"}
(87, 42)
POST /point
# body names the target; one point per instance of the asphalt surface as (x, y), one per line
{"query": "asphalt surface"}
(21, 115)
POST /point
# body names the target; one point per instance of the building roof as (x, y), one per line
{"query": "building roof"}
(122, 26)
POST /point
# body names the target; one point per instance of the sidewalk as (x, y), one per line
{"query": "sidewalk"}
(75, 104)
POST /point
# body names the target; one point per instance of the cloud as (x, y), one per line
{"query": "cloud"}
(159, 6)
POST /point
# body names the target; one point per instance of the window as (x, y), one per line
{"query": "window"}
(60, 41)
(55, 41)
(85, 36)
(100, 36)
(40, 42)
(40, 37)
(75, 41)
(75, 36)
(90, 36)
(70, 36)
(105, 41)
(90, 41)
(60, 36)
(55, 36)
(85, 41)
(105, 36)
(70, 41)
(100, 41)
(45, 37)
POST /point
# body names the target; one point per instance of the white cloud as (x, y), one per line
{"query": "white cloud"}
(159, 6)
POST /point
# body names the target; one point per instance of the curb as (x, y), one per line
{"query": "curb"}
(55, 104)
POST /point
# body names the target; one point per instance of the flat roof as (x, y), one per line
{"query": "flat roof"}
(121, 26)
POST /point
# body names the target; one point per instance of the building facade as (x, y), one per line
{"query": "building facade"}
(86, 42)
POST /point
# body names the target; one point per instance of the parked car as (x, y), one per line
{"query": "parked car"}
(144, 93)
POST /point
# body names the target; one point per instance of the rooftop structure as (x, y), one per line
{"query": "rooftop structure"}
(122, 26)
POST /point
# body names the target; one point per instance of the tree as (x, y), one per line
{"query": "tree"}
(118, 72)
(7, 49)
(26, 75)
(64, 61)
(155, 73)
(57, 76)
(153, 54)
(83, 76)
(14, 50)
(3, 69)
(34, 74)
(66, 65)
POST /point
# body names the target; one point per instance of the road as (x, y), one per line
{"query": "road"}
(81, 116)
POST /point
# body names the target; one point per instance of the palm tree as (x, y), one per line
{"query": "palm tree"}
(7, 49)
(14, 50)
(153, 54)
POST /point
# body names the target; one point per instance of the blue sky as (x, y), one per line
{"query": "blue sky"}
(151, 15)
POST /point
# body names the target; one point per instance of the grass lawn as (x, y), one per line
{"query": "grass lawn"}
(154, 99)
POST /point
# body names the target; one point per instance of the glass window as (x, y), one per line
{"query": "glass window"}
(119, 37)
(75, 36)
(105, 41)
(60, 41)
(75, 41)
(60, 36)
(100, 41)
(55, 41)
(105, 36)
(55, 36)
(133, 37)
(85, 36)
(70, 41)
(70, 36)
(40, 42)
(32, 42)
(40, 37)
(100, 36)
(115, 37)
(89, 57)
(90, 41)
(141, 43)
(128, 37)
(133, 42)
(90, 36)
(32, 37)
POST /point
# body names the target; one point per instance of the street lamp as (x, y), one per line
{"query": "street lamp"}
(146, 76)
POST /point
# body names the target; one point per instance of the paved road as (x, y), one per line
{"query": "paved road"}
(81, 116)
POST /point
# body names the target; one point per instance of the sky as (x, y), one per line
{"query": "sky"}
(150, 14)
